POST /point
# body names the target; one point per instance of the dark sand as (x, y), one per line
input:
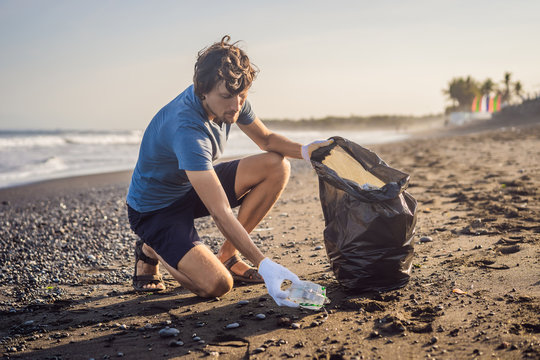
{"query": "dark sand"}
(66, 261)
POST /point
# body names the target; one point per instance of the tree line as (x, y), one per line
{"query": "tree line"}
(462, 91)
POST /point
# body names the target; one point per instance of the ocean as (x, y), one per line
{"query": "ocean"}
(28, 156)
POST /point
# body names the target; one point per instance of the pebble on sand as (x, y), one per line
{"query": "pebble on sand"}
(233, 325)
(176, 343)
(284, 322)
(168, 332)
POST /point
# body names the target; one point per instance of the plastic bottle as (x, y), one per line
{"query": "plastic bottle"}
(308, 295)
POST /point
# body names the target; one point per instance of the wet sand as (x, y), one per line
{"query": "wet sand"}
(66, 262)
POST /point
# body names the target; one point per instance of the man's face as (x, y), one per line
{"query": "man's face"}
(221, 106)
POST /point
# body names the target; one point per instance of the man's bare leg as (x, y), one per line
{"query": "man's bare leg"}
(199, 271)
(262, 178)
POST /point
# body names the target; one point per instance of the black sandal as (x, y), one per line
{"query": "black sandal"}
(250, 275)
(140, 281)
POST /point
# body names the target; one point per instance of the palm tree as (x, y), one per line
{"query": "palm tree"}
(505, 98)
(518, 89)
(487, 87)
(461, 91)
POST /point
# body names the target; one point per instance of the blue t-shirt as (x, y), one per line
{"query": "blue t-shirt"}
(180, 137)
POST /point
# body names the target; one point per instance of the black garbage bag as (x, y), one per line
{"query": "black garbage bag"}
(369, 217)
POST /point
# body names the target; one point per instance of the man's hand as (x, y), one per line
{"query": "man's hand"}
(274, 275)
(308, 149)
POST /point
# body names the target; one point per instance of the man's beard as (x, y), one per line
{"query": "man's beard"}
(222, 119)
(230, 119)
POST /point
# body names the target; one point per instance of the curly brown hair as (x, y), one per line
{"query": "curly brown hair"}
(223, 61)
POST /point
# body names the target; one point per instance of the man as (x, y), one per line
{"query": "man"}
(175, 182)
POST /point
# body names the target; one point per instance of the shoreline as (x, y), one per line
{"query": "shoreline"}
(78, 182)
(240, 146)
(67, 185)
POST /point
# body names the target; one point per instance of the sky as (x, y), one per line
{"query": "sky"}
(113, 64)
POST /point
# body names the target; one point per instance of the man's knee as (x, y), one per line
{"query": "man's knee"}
(218, 286)
(277, 164)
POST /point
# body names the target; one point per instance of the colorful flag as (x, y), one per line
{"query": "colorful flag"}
(476, 104)
(497, 103)
(484, 104)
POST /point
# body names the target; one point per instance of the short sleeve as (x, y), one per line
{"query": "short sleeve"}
(247, 116)
(193, 149)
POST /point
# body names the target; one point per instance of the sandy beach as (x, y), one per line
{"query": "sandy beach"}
(66, 260)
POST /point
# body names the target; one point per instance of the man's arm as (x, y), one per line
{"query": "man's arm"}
(268, 140)
(209, 189)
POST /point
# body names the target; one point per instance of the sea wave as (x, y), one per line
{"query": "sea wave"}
(29, 156)
(50, 164)
(38, 169)
(29, 140)
(133, 138)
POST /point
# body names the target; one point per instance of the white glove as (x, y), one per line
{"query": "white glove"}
(274, 275)
(308, 149)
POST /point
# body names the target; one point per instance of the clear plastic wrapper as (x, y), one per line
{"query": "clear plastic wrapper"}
(308, 295)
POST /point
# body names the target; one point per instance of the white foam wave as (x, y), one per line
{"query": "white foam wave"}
(51, 164)
(132, 138)
(33, 171)
(54, 140)
(31, 141)
(31, 156)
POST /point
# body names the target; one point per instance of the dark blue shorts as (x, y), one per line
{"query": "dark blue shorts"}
(170, 231)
